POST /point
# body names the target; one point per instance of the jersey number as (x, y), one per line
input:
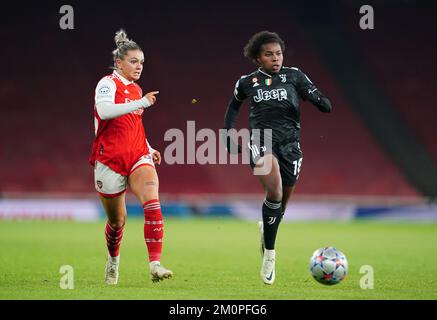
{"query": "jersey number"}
(297, 164)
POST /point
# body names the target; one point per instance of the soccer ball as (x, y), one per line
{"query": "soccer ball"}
(328, 265)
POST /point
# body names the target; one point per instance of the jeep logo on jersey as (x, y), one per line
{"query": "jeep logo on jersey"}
(276, 94)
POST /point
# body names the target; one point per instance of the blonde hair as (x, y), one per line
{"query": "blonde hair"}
(124, 44)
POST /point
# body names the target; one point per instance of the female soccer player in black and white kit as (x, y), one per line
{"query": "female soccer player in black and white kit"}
(273, 92)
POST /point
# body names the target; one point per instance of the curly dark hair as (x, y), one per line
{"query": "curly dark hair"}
(253, 47)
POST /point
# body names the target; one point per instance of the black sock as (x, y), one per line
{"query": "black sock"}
(272, 212)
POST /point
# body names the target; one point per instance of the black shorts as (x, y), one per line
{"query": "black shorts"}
(287, 153)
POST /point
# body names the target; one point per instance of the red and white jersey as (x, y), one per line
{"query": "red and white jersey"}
(119, 142)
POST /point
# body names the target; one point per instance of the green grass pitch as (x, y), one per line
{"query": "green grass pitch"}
(217, 259)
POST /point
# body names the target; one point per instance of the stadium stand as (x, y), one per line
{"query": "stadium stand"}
(400, 52)
(46, 136)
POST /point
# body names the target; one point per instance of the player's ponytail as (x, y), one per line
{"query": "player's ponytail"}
(124, 44)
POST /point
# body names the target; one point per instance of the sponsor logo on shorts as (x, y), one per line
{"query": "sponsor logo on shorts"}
(255, 151)
(99, 184)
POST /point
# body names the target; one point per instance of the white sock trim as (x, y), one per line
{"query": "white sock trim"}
(114, 259)
(269, 254)
(272, 205)
(153, 263)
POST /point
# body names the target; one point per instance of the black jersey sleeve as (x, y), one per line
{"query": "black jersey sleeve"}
(308, 91)
(235, 104)
(230, 119)
(232, 113)
(231, 116)
(239, 93)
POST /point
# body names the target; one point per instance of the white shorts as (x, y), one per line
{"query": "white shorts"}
(109, 183)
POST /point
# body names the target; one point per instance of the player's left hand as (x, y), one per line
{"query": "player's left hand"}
(156, 156)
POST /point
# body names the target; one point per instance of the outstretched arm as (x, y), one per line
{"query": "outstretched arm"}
(318, 99)
(308, 91)
(108, 110)
(105, 101)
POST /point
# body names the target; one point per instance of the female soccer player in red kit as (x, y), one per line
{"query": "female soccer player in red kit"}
(122, 156)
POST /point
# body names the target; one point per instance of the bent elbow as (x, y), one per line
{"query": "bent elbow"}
(102, 109)
(103, 115)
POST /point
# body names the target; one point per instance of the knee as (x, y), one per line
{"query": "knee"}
(274, 194)
(117, 223)
(150, 192)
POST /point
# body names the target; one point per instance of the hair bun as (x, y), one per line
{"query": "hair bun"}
(120, 38)
(124, 44)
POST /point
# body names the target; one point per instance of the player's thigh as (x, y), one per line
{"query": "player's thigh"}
(290, 160)
(265, 165)
(111, 187)
(270, 179)
(115, 209)
(144, 183)
(108, 183)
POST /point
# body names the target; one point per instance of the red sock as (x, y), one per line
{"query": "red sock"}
(153, 228)
(113, 239)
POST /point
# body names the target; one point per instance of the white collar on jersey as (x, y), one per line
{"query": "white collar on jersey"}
(260, 70)
(123, 79)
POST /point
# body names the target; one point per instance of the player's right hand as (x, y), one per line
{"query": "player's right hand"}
(151, 97)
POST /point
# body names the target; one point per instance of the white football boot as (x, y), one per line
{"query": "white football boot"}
(111, 270)
(261, 238)
(268, 267)
(158, 272)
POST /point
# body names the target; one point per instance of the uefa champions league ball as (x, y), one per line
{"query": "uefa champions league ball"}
(328, 265)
